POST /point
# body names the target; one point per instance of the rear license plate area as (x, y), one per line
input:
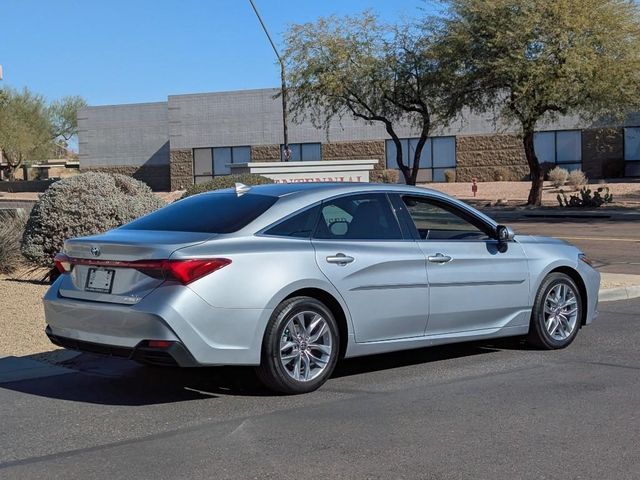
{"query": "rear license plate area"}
(99, 280)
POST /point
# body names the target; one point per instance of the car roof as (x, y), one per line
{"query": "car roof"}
(328, 188)
(295, 196)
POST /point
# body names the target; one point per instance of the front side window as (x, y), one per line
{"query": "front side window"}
(439, 222)
(358, 217)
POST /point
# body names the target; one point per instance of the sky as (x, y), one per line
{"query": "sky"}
(131, 51)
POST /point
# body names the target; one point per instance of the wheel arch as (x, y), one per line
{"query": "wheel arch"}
(577, 278)
(332, 304)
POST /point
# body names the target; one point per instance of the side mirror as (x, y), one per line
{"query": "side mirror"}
(505, 234)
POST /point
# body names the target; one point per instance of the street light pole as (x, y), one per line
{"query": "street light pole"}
(286, 153)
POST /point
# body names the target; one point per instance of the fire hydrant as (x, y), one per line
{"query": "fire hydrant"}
(474, 186)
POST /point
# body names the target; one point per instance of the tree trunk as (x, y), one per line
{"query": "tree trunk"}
(406, 173)
(537, 175)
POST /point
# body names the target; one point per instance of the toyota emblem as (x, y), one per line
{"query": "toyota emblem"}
(95, 251)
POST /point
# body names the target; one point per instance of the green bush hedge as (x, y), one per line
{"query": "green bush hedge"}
(226, 181)
(85, 204)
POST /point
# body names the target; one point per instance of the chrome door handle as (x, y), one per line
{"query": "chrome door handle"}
(340, 259)
(439, 258)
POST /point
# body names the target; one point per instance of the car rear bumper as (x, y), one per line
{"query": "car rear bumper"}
(209, 335)
(175, 355)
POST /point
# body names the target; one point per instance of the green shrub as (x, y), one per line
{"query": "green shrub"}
(11, 231)
(585, 199)
(85, 204)
(558, 176)
(226, 181)
(388, 175)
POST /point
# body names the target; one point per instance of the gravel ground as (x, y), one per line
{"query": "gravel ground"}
(22, 316)
(625, 194)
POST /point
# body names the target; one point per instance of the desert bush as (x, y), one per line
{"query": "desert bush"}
(585, 199)
(11, 231)
(388, 175)
(85, 204)
(501, 174)
(226, 181)
(577, 179)
(450, 176)
(558, 176)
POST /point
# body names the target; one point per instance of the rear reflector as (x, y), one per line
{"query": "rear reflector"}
(185, 271)
(159, 343)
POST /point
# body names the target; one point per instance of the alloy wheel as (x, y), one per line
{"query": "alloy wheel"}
(305, 346)
(560, 311)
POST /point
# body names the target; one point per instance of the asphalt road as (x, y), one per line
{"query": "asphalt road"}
(475, 411)
(614, 245)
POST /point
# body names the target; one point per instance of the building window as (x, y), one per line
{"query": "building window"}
(211, 162)
(437, 156)
(304, 152)
(562, 147)
(632, 144)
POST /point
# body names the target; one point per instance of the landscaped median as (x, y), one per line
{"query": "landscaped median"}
(22, 315)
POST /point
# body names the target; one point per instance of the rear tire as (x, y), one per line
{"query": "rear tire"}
(557, 313)
(300, 347)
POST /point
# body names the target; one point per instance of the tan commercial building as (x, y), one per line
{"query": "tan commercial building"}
(191, 138)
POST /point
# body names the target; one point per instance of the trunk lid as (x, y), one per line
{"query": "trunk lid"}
(105, 280)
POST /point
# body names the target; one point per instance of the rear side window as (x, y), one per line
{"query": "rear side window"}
(299, 225)
(208, 213)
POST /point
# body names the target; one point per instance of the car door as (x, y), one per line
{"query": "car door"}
(475, 282)
(380, 274)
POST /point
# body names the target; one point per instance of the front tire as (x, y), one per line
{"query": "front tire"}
(300, 347)
(557, 313)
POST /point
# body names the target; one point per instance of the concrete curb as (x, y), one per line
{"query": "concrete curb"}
(619, 293)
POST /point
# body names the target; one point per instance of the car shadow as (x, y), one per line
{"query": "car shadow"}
(112, 381)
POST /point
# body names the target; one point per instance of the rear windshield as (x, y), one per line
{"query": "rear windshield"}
(209, 213)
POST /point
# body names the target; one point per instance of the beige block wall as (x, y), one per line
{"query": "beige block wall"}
(490, 157)
(265, 153)
(181, 168)
(363, 150)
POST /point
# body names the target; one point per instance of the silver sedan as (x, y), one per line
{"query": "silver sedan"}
(292, 277)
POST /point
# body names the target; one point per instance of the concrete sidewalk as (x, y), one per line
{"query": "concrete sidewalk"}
(618, 286)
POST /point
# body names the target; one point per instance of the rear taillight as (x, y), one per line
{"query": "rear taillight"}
(62, 263)
(185, 271)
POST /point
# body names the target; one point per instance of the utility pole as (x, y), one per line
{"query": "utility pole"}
(286, 153)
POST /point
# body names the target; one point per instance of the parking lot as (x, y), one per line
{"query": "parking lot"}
(487, 410)
(480, 410)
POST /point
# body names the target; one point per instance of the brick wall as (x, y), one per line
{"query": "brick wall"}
(362, 150)
(181, 168)
(489, 157)
(265, 153)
